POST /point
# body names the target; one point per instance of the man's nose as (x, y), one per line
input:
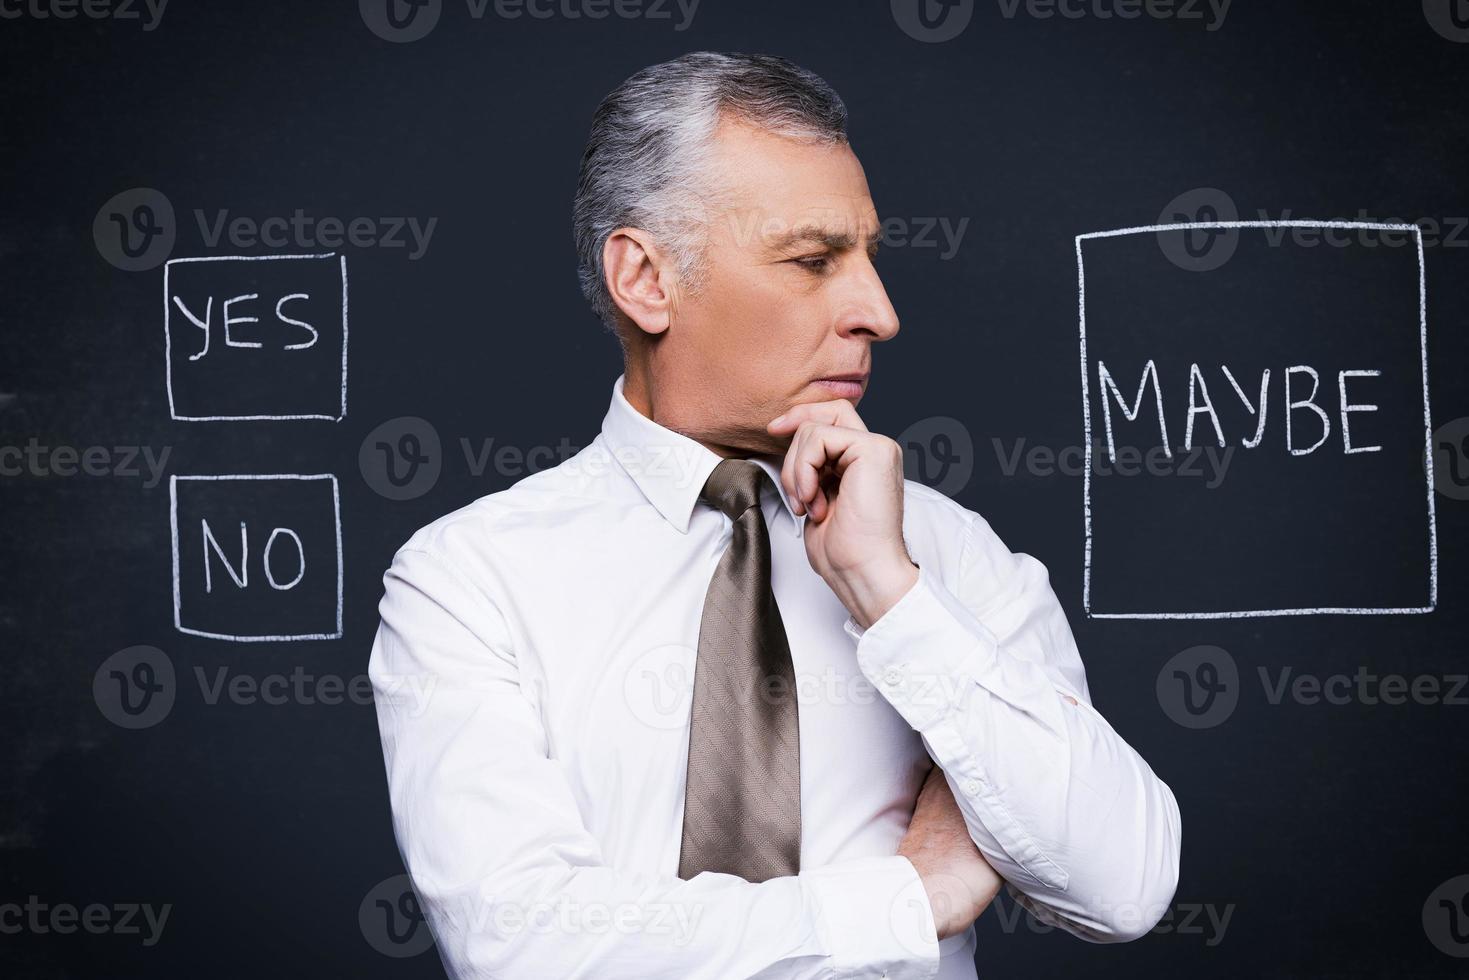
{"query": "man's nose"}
(866, 308)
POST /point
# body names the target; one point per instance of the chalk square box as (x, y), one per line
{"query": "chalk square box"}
(1328, 532)
(257, 557)
(256, 338)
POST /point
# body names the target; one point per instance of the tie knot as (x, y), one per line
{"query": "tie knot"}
(734, 486)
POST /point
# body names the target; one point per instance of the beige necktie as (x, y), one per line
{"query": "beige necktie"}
(742, 811)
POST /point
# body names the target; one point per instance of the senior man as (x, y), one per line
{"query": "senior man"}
(723, 695)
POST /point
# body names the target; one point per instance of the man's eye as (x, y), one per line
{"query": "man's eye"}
(816, 263)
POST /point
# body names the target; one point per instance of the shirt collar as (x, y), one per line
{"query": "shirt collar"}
(669, 467)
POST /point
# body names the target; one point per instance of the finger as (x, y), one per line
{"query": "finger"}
(815, 447)
(791, 469)
(830, 486)
(813, 489)
(788, 472)
(837, 411)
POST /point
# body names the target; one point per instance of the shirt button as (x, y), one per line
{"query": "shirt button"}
(893, 677)
(973, 787)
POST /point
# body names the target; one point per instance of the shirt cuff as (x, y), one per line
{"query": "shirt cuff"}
(877, 918)
(925, 652)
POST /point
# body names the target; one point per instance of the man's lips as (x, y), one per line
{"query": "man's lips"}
(844, 385)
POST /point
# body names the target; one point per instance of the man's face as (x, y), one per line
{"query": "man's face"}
(791, 295)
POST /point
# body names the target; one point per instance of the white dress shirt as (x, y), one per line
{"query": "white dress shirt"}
(537, 790)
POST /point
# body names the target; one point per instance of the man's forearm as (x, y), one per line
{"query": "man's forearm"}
(1058, 802)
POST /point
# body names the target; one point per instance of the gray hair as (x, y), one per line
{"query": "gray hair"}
(645, 159)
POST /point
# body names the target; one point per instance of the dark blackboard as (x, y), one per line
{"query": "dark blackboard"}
(165, 754)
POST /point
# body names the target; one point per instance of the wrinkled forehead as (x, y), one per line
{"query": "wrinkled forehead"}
(777, 193)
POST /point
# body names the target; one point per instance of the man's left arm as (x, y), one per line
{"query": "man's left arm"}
(1063, 808)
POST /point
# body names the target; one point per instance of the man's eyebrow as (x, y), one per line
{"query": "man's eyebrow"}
(812, 235)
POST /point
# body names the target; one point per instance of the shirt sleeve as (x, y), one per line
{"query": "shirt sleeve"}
(1085, 835)
(511, 882)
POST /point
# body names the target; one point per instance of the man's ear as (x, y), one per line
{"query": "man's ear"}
(641, 278)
